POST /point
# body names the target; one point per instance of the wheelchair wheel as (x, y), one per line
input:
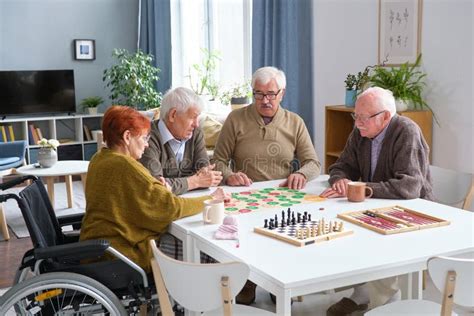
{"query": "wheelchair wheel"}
(60, 293)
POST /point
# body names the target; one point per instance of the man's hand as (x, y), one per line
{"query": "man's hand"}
(166, 184)
(220, 194)
(338, 189)
(295, 181)
(237, 179)
(205, 177)
(208, 177)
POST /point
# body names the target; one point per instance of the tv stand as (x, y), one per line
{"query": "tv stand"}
(73, 131)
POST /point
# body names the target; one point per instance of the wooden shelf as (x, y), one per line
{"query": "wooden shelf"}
(339, 125)
(57, 127)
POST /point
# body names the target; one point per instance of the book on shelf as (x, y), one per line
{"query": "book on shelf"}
(38, 132)
(3, 134)
(12, 134)
(87, 133)
(33, 134)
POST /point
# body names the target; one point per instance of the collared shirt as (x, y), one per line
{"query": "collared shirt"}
(375, 150)
(177, 146)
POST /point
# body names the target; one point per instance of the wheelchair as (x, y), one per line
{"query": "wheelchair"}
(54, 280)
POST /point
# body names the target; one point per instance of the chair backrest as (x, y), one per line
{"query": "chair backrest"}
(197, 287)
(39, 216)
(452, 187)
(439, 267)
(13, 149)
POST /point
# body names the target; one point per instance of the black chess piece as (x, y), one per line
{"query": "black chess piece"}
(299, 217)
(271, 224)
(283, 224)
(288, 212)
(309, 217)
(293, 221)
(266, 224)
(276, 218)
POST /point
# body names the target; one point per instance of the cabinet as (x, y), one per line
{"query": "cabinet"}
(73, 132)
(339, 125)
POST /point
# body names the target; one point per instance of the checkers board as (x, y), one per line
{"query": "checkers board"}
(392, 220)
(252, 200)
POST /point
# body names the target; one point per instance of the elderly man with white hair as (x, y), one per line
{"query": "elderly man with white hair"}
(262, 141)
(389, 153)
(176, 149)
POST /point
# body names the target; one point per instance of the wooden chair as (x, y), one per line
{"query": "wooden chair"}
(207, 288)
(453, 277)
(452, 187)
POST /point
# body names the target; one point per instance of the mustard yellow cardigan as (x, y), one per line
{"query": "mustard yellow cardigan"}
(127, 206)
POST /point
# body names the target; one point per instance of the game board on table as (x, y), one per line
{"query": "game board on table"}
(392, 220)
(248, 201)
(301, 230)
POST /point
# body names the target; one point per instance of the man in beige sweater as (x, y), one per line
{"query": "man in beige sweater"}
(262, 141)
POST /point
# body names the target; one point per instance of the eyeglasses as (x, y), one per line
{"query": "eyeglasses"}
(146, 138)
(270, 96)
(364, 118)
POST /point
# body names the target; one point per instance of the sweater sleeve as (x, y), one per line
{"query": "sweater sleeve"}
(410, 164)
(305, 153)
(156, 207)
(225, 145)
(347, 165)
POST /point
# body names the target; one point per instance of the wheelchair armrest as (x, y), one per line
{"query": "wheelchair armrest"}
(79, 250)
(72, 219)
(16, 181)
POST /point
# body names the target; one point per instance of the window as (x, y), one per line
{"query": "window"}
(219, 25)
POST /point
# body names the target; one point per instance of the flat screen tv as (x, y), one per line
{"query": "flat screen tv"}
(30, 92)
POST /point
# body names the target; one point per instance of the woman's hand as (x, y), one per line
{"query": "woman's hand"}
(219, 194)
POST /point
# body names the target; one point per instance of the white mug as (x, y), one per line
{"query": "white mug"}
(213, 212)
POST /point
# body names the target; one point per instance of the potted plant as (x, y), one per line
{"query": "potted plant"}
(351, 91)
(201, 76)
(47, 155)
(132, 80)
(238, 95)
(405, 82)
(355, 84)
(91, 103)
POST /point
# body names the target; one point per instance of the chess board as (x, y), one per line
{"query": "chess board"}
(252, 200)
(304, 231)
(393, 220)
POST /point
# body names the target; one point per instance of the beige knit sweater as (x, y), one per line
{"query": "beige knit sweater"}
(265, 152)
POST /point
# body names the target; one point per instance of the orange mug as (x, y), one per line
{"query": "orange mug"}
(358, 191)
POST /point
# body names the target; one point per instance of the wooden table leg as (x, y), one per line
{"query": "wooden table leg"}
(3, 224)
(84, 178)
(70, 197)
(50, 185)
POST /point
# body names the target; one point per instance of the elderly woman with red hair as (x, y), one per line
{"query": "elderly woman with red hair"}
(124, 203)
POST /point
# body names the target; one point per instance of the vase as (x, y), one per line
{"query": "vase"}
(401, 105)
(47, 157)
(237, 103)
(92, 111)
(351, 96)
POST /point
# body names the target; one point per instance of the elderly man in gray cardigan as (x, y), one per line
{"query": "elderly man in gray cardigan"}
(389, 153)
(176, 147)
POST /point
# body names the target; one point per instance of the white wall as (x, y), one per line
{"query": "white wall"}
(345, 41)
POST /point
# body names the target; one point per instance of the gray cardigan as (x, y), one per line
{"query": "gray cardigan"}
(161, 161)
(402, 170)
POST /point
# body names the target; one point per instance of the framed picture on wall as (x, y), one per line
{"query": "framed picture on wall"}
(399, 31)
(84, 49)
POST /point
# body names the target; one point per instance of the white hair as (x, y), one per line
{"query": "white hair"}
(381, 98)
(180, 98)
(265, 74)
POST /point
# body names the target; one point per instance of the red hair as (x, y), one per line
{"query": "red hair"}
(118, 119)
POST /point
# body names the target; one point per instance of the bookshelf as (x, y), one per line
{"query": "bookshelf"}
(70, 131)
(339, 125)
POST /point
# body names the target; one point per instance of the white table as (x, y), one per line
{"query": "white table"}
(288, 271)
(66, 168)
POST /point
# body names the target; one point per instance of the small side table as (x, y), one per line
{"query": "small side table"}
(66, 168)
